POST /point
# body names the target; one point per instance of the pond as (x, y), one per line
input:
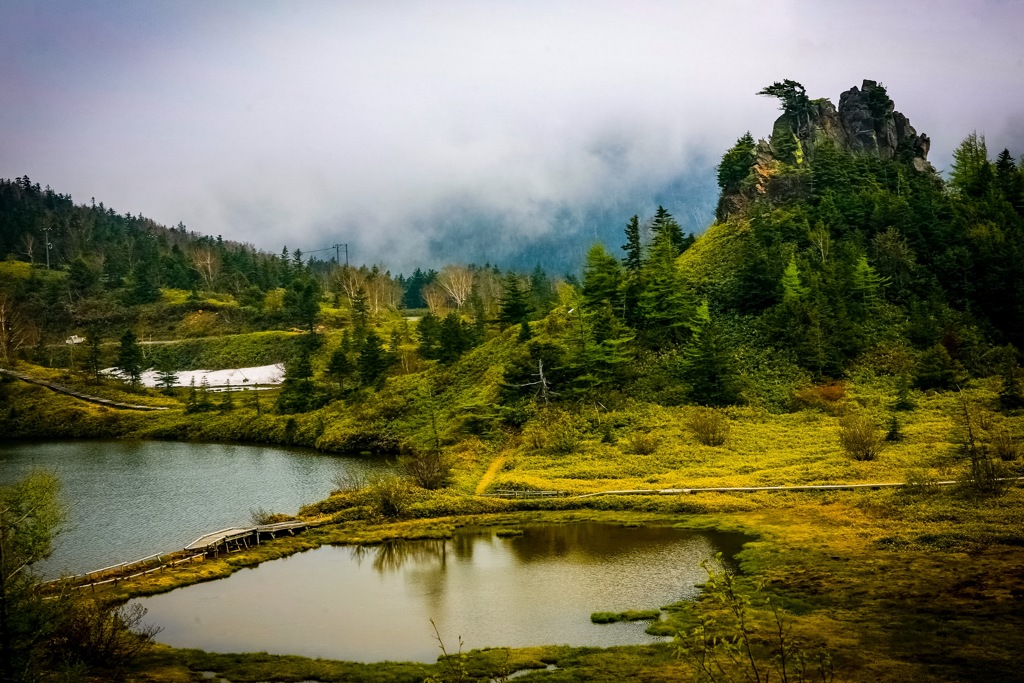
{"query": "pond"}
(130, 499)
(376, 603)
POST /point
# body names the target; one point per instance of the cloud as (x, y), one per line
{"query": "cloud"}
(400, 126)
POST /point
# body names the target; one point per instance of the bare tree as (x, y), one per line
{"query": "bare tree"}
(28, 244)
(15, 330)
(436, 298)
(206, 262)
(457, 282)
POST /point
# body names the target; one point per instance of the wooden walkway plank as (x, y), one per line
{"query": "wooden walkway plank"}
(77, 394)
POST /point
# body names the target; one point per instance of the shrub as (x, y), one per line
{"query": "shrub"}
(388, 495)
(709, 426)
(260, 516)
(858, 435)
(428, 469)
(106, 636)
(1004, 445)
(826, 397)
(641, 443)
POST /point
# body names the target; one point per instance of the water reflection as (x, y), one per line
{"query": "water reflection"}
(376, 602)
(130, 499)
(392, 555)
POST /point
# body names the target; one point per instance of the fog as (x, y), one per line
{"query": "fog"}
(426, 132)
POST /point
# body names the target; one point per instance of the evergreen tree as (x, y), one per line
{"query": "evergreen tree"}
(166, 377)
(634, 258)
(130, 359)
(340, 368)
(736, 164)
(666, 304)
(513, 307)
(297, 393)
(542, 296)
(227, 399)
(708, 367)
(429, 332)
(602, 280)
(192, 401)
(373, 360)
(302, 302)
(1011, 394)
(633, 265)
(454, 337)
(360, 315)
(144, 289)
(665, 224)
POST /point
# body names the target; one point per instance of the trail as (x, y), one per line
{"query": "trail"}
(77, 394)
(490, 474)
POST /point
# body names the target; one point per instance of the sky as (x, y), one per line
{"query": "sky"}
(422, 133)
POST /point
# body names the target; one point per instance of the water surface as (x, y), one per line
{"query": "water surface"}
(375, 603)
(130, 499)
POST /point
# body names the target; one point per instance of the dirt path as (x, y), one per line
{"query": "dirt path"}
(77, 394)
(490, 474)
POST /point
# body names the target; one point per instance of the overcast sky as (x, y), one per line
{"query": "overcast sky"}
(395, 125)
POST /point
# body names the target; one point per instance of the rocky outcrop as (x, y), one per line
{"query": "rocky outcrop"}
(865, 122)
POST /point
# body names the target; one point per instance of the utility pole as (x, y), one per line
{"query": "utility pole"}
(337, 253)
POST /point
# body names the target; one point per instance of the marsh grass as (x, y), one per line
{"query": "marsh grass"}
(628, 615)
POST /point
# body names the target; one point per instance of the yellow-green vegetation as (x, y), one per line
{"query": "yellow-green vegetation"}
(628, 615)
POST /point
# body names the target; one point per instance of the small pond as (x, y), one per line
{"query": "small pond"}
(375, 603)
(130, 499)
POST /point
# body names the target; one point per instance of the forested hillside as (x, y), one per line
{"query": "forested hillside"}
(837, 246)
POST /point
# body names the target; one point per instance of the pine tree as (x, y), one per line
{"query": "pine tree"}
(339, 367)
(227, 399)
(633, 265)
(513, 308)
(373, 360)
(192, 402)
(634, 258)
(360, 315)
(666, 304)
(665, 224)
(708, 367)
(602, 280)
(129, 358)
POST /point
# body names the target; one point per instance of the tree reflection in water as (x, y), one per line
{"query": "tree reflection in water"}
(393, 554)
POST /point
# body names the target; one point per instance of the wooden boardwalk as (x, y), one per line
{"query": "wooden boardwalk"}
(77, 394)
(236, 538)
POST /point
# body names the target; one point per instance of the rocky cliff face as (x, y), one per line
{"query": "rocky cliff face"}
(866, 122)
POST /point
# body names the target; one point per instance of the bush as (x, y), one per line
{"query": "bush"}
(105, 636)
(826, 397)
(1004, 445)
(389, 495)
(641, 443)
(709, 426)
(429, 470)
(858, 435)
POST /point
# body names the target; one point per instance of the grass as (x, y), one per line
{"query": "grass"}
(628, 615)
(915, 584)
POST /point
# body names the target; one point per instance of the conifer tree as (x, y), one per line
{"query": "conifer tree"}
(665, 224)
(602, 280)
(708, 367)
(129, 358)
(633, 265)
(513, 307)
(373, 360)
(666, 304)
